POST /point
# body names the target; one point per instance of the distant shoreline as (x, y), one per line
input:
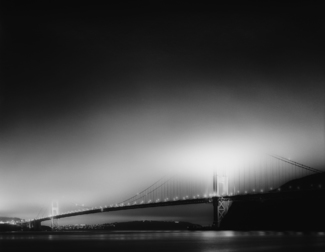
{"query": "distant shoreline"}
(131, 225)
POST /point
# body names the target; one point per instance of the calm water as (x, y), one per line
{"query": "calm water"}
(163, 241)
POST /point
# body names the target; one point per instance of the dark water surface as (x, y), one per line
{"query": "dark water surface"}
(204, 241)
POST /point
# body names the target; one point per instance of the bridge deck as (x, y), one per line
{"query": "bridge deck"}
(136, 206)
(273, 195)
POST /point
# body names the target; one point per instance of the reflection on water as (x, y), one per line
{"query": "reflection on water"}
(163, 241)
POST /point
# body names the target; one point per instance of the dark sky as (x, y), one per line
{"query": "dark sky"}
(96, 96)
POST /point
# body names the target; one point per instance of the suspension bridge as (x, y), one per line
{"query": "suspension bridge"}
(235, 180)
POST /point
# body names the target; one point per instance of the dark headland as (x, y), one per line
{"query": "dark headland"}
(305, 212)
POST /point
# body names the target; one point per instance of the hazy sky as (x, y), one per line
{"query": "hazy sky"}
(97, 104)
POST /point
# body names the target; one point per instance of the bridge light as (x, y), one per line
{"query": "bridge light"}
(245, 191)
(253, 190)
(261, 190)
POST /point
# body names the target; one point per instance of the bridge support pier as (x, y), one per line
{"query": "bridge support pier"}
(54, 223)
(220, 209)
(54, 212)
(220, 205)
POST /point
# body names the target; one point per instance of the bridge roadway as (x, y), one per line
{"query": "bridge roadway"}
(272, 195)
(127, 207)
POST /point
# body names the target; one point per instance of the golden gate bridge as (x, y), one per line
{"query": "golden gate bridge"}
(259, 178)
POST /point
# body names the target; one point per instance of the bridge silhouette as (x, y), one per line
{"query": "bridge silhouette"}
(261, 179)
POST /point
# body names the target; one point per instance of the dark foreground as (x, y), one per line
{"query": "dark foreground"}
(162, 241)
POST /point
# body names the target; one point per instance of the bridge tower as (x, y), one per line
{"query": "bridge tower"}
(220, 189)
(54, 212)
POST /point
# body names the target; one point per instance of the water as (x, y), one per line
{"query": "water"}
(203, 241)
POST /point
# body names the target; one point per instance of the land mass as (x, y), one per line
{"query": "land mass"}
(300, 213)
(9, 219)
(134, 225)
(131, 225)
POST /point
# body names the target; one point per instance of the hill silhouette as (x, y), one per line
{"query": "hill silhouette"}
(5, 219)
(311, 182)
(300, 213)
